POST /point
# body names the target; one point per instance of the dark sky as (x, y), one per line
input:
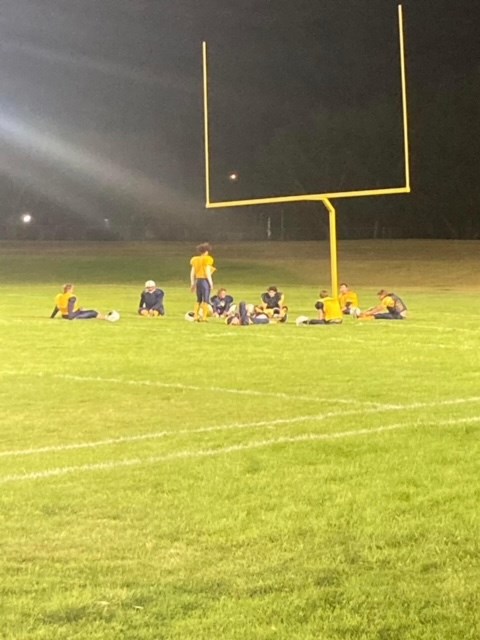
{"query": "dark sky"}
(101, 104)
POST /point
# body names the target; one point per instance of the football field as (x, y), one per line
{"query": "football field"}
(167, 480)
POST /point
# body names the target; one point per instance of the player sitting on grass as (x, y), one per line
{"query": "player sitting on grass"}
(221, 304)
(66, 303)
(151, 301)
(329, 311)
(272, 302)
(348, 300)
(391, 307)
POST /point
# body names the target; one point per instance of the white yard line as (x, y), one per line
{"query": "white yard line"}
(190, 387)
(245, 392)
(265, 424)
(155, 435)
(206, 453)
(273, 394)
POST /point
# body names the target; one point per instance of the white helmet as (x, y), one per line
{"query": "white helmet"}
(113, 316)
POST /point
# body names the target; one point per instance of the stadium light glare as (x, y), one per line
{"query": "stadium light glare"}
(26, 218)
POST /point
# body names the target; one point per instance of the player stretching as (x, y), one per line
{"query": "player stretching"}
(201, 281)
(66, 303)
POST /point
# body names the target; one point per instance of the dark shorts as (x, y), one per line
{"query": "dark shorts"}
(82, 314)
(203, 290)
(388, 316)
(161, 311)
(319, 321)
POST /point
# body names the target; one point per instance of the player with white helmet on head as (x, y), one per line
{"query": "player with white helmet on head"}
(151, 301)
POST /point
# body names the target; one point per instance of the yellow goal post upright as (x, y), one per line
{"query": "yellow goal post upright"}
(325, 198)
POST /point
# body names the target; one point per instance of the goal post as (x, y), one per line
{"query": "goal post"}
(325, 198)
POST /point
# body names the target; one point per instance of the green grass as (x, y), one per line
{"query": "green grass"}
(164, 480)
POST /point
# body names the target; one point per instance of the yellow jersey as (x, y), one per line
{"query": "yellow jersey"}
(200, 264)
(388, 303)
(331, 310)
(62, 300)
(350, 298)
(394, 305)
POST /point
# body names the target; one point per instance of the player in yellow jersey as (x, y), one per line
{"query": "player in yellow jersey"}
(348, 299)
(390, 307)
(329, 311)
(66, 303)
(201, 282)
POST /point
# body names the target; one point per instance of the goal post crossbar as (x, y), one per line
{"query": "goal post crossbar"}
(312, 196)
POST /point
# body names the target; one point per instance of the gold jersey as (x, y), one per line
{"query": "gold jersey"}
(62, 300)
(331, 310)
(350, 298)
(200, 264)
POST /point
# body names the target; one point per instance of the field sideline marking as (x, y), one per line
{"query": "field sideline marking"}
(206, 453)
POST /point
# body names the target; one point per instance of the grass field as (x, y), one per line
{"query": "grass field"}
(166, 480)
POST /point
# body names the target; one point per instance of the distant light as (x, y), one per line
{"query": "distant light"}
(233, 177)
(106, 222)
(26, 218)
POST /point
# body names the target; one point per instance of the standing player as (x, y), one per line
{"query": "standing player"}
(201, 281)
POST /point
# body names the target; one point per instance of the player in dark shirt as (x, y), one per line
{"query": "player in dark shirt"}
(272, 303)
(221, 303)
(151, 300)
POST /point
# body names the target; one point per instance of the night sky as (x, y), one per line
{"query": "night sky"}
(101, 106)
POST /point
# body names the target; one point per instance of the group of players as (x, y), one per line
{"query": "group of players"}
(271, 309)
(330, 310)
